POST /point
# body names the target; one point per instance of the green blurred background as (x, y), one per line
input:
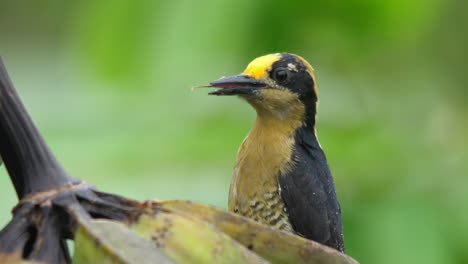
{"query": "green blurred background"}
(109, 85)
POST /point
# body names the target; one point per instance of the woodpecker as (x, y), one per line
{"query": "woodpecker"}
(281, 177)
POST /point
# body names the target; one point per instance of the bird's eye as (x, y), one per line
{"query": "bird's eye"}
(280, 75)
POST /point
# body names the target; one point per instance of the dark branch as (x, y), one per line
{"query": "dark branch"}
(31, 165)
(51, 201)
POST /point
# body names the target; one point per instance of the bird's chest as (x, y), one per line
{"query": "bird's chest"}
(255, 192)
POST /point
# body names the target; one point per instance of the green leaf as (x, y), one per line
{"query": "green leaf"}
(189, 240)
(272, 244)
(104, 241)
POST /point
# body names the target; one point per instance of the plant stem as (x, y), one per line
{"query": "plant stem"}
(30, 163)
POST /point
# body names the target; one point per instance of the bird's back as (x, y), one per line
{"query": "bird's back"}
(309, 193)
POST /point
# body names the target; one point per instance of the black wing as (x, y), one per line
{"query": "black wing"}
(309, 194)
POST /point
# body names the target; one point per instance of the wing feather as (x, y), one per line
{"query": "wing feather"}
(309, 195)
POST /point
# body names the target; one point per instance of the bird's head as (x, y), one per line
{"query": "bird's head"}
(278, 84)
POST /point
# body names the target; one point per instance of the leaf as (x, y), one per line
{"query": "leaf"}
(188, 232)
(188, 240)
(104, 241)
(272, 244)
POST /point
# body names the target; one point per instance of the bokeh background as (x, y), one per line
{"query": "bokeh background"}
(109, 85)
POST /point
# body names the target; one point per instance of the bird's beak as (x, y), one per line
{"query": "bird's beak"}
(241, 84)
